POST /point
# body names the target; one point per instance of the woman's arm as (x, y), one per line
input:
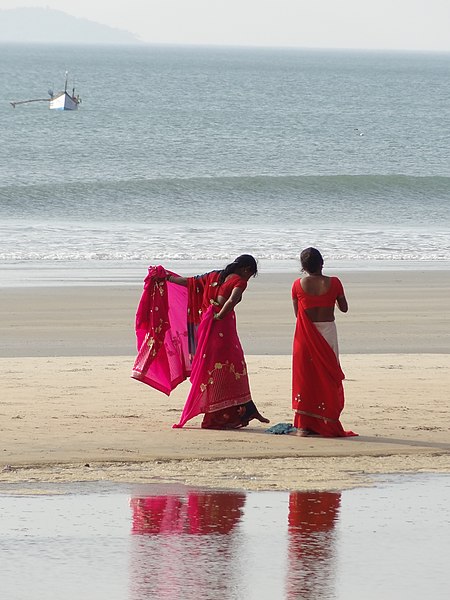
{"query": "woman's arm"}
(295, 305)
(235, 298)
(342, 303)
(178, 280)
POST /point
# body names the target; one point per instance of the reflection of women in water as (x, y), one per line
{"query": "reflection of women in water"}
(220, 387)
(197, 513)
(317, 391)
(311, 526)
(186, 546)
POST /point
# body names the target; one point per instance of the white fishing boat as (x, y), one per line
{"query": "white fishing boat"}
(59, 101)
(62, 101)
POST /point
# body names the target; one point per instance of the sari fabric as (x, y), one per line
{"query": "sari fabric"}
(317, 390)
(163, 359)
(177, 337)
(219, 379)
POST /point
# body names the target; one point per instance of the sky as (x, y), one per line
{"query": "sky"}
(372, 24)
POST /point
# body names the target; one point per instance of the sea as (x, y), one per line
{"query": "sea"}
(190, 156)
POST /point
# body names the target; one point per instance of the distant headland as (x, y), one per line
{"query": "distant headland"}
(48, 26)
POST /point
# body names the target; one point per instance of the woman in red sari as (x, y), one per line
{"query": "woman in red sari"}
(317, 391)
(220, 387)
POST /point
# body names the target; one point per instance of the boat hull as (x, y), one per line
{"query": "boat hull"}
(63, 102)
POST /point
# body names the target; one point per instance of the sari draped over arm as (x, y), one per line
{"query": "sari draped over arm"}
(317, 390)
(161, 332)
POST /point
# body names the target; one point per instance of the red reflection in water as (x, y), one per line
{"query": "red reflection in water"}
(311, 527)
(186, 546)
(197, 513)
(190, 546)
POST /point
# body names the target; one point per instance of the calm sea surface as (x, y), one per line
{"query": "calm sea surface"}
(199, 154)
(106, 542)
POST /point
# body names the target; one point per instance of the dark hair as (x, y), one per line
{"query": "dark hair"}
(311, 260)
(241, 262)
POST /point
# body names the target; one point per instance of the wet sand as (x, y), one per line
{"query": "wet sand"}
(70, 412)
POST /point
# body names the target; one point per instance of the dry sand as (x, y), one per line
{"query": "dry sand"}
(69, 410)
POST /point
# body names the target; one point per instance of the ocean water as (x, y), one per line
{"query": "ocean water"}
(200, 154)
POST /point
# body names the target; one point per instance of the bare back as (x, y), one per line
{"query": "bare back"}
(318, 286)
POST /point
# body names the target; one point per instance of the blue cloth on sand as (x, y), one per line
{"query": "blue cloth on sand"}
(281, 428)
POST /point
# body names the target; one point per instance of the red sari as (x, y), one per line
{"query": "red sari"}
(220, 386)
(317, 390)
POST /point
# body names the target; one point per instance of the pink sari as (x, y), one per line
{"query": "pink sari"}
(163, 359)
(175, 325)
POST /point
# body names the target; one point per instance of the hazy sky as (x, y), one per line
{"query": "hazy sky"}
(393, 24)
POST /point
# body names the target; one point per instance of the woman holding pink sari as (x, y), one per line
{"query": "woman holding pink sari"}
(208, 349)
(317, 390)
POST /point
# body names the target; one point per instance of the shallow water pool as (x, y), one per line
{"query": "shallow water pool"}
(119, 542)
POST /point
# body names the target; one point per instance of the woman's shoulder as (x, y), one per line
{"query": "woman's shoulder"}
(209, 275)
(314, 286)
(234, 280)
(336, 284)
(234, 277)
(296, 287)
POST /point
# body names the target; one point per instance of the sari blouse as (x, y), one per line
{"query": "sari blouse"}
(312, 301)
(204, 290)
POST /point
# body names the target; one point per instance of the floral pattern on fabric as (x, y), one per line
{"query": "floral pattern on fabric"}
(219, 372)
(161, 331)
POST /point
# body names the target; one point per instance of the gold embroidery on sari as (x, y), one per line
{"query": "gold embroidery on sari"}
(219, 366)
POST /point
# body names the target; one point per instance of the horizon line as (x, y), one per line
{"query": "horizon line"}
(225, 46)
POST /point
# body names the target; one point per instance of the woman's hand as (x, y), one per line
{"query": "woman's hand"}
(160, 278)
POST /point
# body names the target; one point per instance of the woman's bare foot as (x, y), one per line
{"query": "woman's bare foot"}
(260, 418)
(306, 433)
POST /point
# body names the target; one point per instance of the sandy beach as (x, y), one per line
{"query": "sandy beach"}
(69, 410)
